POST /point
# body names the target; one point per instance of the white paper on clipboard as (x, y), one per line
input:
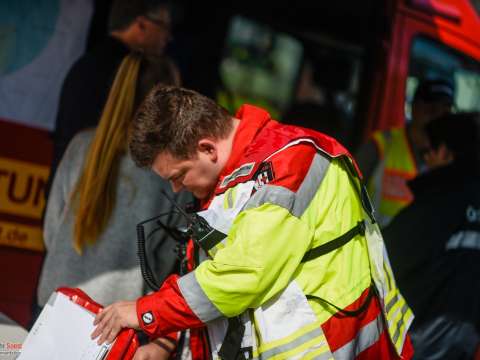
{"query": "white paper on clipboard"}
(62, 331)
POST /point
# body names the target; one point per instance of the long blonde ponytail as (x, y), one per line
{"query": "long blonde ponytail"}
(95, 193)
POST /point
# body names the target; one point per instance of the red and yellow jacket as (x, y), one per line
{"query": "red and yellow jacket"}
(303, 266)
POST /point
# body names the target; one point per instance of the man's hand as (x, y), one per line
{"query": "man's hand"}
(158, 349)
(114, 318)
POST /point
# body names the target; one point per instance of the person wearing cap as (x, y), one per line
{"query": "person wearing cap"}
(439, 279)
(394, 156)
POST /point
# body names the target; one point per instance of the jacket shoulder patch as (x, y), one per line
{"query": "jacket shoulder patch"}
(263, 175)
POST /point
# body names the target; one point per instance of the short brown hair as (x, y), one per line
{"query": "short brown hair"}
(174, 119)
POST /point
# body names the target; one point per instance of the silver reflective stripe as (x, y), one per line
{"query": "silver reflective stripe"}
(387, 275)
(295, 203)
(295, 343)
(464, 240)
(400, 323)
(310, 184)
(272, 194)
(392, 302)
(230, 197)
(196, 298)
(366, 337)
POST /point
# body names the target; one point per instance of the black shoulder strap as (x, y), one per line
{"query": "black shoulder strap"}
(361, 190)
(323, 249)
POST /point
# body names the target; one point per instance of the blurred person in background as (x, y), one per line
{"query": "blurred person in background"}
(99, 196)
(393, 157)
(134, 25)
(314, 106)
(434, 243)
(327, 119)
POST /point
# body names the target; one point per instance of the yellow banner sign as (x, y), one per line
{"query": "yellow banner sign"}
(22, 188)
(22, 236)
(22, 199)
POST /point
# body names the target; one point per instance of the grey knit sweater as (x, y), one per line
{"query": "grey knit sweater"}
(108, 271)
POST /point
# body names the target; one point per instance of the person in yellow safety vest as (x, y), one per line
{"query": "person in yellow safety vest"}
(294, 267)
(394, 156)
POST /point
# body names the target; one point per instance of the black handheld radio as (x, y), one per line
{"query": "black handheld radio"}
(198, 229)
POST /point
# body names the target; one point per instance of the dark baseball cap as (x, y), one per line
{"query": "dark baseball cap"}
(435, 90)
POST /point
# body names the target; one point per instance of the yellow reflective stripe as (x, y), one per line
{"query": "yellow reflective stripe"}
(389, 276)
(265, 346)
(323, 353)
(399, 318)
(403, 325)
(229, 198)
(400, 327)
(312, 342)
(395, 315)
(234, 195)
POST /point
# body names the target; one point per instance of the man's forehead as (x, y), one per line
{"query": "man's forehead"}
(165, 162)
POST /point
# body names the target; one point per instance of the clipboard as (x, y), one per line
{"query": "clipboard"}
(62, 331)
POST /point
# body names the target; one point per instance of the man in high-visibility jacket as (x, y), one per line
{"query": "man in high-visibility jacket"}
(394, 156)
(302, 271)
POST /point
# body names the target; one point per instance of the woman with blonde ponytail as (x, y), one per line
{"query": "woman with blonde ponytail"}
(99, 195)
(94, 195)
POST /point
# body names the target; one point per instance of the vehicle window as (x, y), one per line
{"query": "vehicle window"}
(430, 59)
(260, 66)
(311, 78)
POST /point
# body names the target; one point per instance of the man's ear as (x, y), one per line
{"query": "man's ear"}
(208, 148)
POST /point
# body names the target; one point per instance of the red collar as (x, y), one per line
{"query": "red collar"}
(252, 120)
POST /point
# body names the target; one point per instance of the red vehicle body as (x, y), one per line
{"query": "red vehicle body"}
(452, 23)
(380, 103)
